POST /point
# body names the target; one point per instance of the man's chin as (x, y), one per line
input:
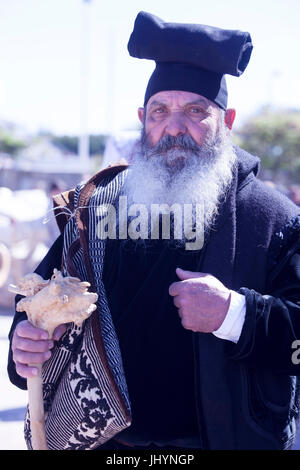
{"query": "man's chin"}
(175, 164)
(172, 161)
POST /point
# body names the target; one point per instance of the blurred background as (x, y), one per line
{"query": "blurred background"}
(69, 93)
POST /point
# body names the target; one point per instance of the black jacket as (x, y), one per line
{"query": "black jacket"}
(247, 393)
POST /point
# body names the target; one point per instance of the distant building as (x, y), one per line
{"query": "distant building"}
(40, 163)
(120, 147)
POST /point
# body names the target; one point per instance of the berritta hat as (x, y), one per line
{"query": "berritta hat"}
(189, 57)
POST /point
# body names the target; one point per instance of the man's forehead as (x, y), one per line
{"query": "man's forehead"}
(178, 98)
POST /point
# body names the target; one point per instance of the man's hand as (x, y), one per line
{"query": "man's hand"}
(31, 345)
(202, 300)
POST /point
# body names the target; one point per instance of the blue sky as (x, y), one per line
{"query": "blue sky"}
(40, 58)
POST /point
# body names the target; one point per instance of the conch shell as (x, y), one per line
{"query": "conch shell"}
(49, 304)
(29, 285)
(55, 301)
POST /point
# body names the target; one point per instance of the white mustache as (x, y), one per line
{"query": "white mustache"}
(169, 142)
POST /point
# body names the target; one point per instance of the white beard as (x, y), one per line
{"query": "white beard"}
(201, 176)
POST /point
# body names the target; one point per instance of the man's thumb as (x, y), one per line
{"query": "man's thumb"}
(183, 275)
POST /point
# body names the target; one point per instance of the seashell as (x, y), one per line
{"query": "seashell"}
(49, 304)
(29, 285)
(55, 301)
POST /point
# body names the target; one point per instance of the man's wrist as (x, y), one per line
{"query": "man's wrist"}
(232, 325)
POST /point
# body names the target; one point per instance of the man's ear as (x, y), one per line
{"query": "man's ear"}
(141, 114)
(229, 117)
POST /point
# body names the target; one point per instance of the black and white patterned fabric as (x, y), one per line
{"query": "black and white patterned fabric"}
(85, 395)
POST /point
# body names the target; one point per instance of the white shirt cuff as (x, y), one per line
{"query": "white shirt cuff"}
(232, 325)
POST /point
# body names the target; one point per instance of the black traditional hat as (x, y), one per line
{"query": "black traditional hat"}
(189, 57)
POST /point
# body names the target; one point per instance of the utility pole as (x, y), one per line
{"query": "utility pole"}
(83, 143)
(111, 82)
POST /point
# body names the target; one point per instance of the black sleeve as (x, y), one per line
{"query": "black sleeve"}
(45, 269)
(271, 332)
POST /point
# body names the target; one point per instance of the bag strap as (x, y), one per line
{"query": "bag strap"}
(63, 205)
(65, 200)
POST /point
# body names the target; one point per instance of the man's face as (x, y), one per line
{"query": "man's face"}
(178, 113)
(185, 154)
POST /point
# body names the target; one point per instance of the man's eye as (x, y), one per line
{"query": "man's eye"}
(159, 110)
(195, 110)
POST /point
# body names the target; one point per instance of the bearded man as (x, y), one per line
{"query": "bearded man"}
(192, 344)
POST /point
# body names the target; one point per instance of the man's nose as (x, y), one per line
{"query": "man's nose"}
(175, 125)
